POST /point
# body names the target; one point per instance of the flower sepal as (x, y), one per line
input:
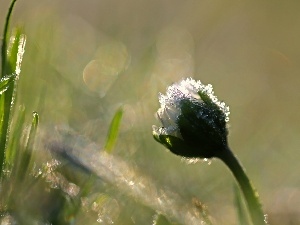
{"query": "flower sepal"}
(203, 125)
(176, 145)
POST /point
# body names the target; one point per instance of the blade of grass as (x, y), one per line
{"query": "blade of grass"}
(3, 116)
(15, 140)
(6, 81)
(15, 52)
(25, 160)
(4, 41)
(240, 207)
(159, 219)
(32, 133)
(13, 63)
(113, 131)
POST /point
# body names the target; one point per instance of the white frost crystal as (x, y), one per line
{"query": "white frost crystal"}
(170, 104)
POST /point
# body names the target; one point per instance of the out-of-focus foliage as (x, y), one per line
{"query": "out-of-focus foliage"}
(85, 58)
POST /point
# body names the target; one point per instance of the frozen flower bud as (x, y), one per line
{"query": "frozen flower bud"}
(193, 120)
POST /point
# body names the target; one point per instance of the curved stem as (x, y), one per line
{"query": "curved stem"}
(250, 194)
(4, 41)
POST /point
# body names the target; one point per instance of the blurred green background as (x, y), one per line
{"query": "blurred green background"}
(84, 59)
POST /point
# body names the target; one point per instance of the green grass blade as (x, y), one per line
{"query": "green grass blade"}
(4, 41)
(32, 133)
(15, 140)
(159, 219)
(5, 82)
(240, 207)
(15, 52)
(113, 130)
(13, 65)
(26, 158)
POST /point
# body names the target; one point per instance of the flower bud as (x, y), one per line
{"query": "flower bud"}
(193, 120)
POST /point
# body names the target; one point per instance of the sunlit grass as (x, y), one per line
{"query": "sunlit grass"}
(49, 186)
(248, 51)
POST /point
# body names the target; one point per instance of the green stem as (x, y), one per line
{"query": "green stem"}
(250, 194)
(6, 99)
(4, 41)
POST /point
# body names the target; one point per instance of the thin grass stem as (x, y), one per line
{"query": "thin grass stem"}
(4, 41)
(249, 192)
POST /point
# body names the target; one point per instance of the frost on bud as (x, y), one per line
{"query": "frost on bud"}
(193, 120)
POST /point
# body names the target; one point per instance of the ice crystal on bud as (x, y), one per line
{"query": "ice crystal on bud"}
(191, 115)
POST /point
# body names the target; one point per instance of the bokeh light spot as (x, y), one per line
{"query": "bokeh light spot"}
(111, 59)
(175, 54)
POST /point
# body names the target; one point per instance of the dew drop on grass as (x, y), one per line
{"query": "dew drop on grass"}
(7, 219)
(21, 50)
(71, 189)
(108, 211)
(52, 165)
(38, 173)
(7, 172)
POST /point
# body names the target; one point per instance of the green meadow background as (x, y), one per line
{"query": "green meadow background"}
(85, 59)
